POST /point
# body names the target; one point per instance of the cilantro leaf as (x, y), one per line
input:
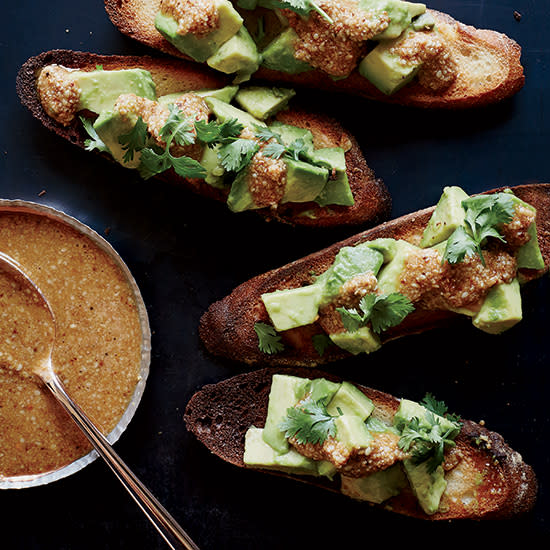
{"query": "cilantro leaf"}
(207, 132)
(296, 147)
(309, 423)
(95, 142)
(268, 340)
(459, 245)
(134, 140)
(274, 150)
(236, 155)
(230, 129)
(153, 162)
(178, 128)
(263, 133)
(321, 342)
(301, 7)
(433, 405)
(187, 167)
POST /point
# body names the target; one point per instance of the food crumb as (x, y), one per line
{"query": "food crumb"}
(482, 422)
(42, 193)
(517, 15)
(66, 30)
(107, 230)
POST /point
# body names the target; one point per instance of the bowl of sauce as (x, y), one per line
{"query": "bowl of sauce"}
(102, 348)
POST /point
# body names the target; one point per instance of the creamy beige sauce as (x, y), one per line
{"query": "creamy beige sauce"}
(97, 351)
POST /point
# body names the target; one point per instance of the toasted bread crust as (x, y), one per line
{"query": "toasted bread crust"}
(135, 18)
(227, 327)
(372, 200)
(220, 414)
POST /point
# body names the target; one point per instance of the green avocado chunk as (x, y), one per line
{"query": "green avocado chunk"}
(363, 340)
(263, 102)
(352, 432)
(101, 89)
(337, 190)
(387, 70)
(400, 13)
(427, 487)
(285, 392)
(201, 48)
(279, 54)
(377, 487)
(225, 94)
(110, 125)
(214, 170)
(390, 274)
(501, 308)
(238, 55)
(289, 134)
(240, 198)
(304, 181)
(323, 389)
(224, 111)
(447, 216)
(351, 401)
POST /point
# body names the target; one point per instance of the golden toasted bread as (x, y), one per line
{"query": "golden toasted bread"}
(372, 201)
(486, 479)
(488, 64)
(227, 327)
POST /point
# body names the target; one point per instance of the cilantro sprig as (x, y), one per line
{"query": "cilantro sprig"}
(94, 141)
(483, 216)
(275, 148)
(301, 7)
(309, 422)
(268, 340)
(382, 311)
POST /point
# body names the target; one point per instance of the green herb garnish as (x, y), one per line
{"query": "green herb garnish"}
(134, 140)
(382, 311)
(301, 7)
(309, 423)
(268, 340)
(95, 142)
(321, 342)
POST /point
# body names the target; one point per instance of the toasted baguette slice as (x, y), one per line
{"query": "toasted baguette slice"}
(473, 49)
(220, 414)
(372, 200)
(227, 327)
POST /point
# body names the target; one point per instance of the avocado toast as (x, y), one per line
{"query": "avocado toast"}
(387, 50)
(464, 260)
(173, 120)
(371, 446)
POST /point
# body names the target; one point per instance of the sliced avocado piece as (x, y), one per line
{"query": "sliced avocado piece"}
(225, 94)
(100, 89)
(529, 255)
(386, 246)
(223, 112)
(377, 425)
(377, 487)
(285, 392)
(289, 134)
(387, 70)
(294, 307)
(201, 48)
(324, 389)
(424, 22)
(390, 275)
(240, 198)
(238, 55)
(214, 170)
(447, 216)
(400, 13)
(279, 54)
(263, 102)
(352, 432)
(257, 453)
(411, 409)
(110, 125)
(427, 487)
(326, 469)
(337, 190)
(501, 308)
(351, 401)
(363, 340)
(304, 181)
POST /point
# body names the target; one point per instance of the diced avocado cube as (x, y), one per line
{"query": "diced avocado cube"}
(363, 340)
(257, 453)
(386, 246)
(446, 217)
(294, 307)
(377, 487)
(326, 469)
(352, 432)
(501, 308)
(401, 14)
(349, 262)
(263, 102)
(240, 198)
(387, 70)
(323, 389)
(201, 48)
(279, 54)
(290, 134)
(411, 409)
(224, 111)
(529, 255)
(351, 401)
(390, 275)
(304, 181)
(285, 392)
(225, 94)
(214, 170)
(423, 22)
(101, 89)
(427, 487)
(238, 55)
(110, 126)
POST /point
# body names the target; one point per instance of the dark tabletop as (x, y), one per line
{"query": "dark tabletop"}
(186, 252)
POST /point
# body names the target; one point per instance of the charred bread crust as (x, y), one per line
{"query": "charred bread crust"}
(227, 327)
(220, 414)
(372, 200)
(135, 18)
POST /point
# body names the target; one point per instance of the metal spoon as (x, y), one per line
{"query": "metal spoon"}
(166, 525)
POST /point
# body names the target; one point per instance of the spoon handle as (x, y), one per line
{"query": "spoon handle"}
(166, 525)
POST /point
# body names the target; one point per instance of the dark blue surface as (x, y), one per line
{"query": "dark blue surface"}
(186, 252)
